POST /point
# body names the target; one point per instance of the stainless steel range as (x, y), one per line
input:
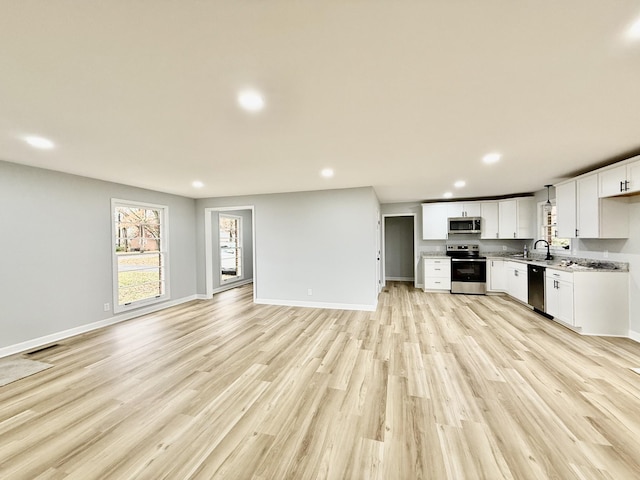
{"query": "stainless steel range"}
(468, 269)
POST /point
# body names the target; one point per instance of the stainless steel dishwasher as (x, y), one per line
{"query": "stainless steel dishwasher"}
(536, 287)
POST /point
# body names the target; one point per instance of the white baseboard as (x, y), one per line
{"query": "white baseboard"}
(332, 306)
(399, 279)
(634, 336)
(121, 317)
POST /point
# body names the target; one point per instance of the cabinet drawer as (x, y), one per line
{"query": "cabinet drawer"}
(559, 275)
(437, 261)
(437, 271)
(437, 283)
(437, 268)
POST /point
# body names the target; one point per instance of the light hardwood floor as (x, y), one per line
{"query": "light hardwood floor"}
(430, 386)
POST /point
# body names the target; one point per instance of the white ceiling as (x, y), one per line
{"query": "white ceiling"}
(405, 96)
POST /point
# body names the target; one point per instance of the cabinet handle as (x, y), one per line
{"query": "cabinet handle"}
(576, 233)
(497, 235)
(514, 234)
(626, 185)
(492, 263)
(621, 186)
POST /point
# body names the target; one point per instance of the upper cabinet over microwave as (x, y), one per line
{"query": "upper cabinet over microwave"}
(464, 225)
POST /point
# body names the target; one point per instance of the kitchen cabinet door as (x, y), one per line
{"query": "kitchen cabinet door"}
(434, 221)
(566, 208)
(612, 181)
(489, 214)
(588, 211)
(517, 281)
(620, 180)
(497, 278)
(455, 209)
(507, 223)
(559, 296)
(472, 209)
(633, 177)
(515, 218)
(464, 209)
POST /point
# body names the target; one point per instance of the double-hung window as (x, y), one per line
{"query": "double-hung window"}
(140, 254)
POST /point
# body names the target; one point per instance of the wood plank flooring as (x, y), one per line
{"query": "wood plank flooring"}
(430, 386)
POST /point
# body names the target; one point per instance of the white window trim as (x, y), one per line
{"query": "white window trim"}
(164, 240)
(240, 246)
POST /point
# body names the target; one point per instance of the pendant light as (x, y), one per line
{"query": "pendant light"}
(547, 206)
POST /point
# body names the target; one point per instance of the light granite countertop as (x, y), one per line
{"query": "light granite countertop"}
(566, 264)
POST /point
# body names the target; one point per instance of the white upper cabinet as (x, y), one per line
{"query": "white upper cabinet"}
(515, 217)
(566, 209)
(621, 180)
(434, 221)
(500, 219)
(588, 211)
(583, 214)
(489, 224)
(464, 209)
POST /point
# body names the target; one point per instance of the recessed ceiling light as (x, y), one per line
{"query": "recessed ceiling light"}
(39, 142)
(327, 172)
(460, 184)
(251, 100)
(447, 195)
(634, 31)
(197, 184)
(491, 157)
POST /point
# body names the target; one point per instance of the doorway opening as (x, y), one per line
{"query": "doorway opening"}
(229, 248)
(399, 246)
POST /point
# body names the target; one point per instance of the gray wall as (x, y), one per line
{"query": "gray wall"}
(247, 246)
(323, 240)
(398, 248)
(55, 249)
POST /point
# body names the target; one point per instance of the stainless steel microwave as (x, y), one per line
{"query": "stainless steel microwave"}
(464, 225)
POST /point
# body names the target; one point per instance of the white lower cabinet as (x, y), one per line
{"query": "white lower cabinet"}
(497, 276)
(559, 295)
(517, 281)
(437, 274)
(595, 303)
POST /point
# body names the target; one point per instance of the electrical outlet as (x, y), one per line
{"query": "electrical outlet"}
(107, 307)
(504, 248)
(309, 291)
(605, 254)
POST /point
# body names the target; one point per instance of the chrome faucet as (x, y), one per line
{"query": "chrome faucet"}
(548, 257)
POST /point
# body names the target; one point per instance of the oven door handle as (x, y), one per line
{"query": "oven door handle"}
(469, 260)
